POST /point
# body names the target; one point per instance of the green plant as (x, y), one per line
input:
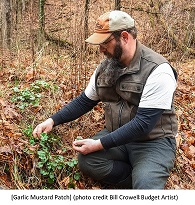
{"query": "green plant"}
(24, 98)
(39, 85)
(28, 132)
(49, 163)
(29, 96)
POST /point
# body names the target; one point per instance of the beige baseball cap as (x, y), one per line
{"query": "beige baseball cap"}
(108, 23)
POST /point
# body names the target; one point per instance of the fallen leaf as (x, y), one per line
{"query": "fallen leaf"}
(5, 149)
(192, 150)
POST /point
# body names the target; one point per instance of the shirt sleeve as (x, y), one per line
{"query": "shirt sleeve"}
(90, 90)
(135, 130)
(76, 108)
(159, 88)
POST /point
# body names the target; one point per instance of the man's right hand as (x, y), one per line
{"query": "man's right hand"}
(45, 127)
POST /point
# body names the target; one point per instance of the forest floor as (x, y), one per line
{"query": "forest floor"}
(19, 154)
(33, 86)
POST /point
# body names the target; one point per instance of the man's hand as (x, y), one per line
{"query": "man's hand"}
(45, 127)
(87, 146)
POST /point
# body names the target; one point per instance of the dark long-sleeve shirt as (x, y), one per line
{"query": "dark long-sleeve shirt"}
(134, 130)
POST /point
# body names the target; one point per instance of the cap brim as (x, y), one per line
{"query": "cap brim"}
(98, 38)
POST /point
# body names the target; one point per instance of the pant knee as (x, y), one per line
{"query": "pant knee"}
(94, 166)
(148, 180)
(82, 162)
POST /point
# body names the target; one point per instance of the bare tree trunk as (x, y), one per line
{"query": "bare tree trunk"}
(117, 4)
(20, 6)
(86, 29)
(5, 12)
(41, 21)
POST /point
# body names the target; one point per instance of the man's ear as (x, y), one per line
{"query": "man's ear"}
(125, 36)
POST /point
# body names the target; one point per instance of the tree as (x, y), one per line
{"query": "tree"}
(117, 4)
(86, 29)
(6, 23)
(41, 21)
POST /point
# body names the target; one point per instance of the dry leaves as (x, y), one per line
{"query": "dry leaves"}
(12, 142)
(183, 175)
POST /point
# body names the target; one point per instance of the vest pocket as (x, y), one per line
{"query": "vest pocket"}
(131, 92)
(131, 87)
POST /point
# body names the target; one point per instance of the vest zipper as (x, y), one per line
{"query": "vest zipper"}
(120, 113)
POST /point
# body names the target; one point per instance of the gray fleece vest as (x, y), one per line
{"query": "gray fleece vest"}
(121, 92)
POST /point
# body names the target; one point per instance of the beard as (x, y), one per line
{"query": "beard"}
(114, 59)
(116, 56)
(113, 67)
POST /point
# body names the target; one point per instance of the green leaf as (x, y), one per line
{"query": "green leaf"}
(77, 176)
(16, 89)
(32, 141)
(44, 173)
(75, 161)
(42, 155)
(71, 185)
(60, 167)
(28, 131)
(70, 164)
(40, 164)
(50, 181)
(44, 137)
(51, 175)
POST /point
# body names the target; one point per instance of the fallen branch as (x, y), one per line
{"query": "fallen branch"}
(57, 41)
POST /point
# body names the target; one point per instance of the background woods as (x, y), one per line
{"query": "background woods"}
(55, 20)
(44, 63)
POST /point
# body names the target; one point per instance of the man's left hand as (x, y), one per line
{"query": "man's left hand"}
(87, 146)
